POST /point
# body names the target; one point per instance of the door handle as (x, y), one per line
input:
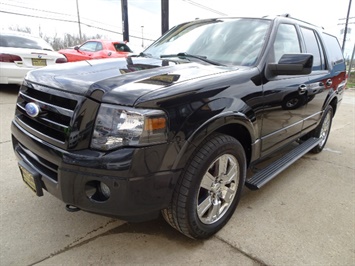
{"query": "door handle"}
(302, 89)
(329, 82)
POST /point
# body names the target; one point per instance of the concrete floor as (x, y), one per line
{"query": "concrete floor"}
(305, 216)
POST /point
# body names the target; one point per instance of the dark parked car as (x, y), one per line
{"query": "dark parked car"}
(175, 128)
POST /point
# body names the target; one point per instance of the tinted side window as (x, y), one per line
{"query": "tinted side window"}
(333, 49)
(313, 47)
(89, 46)
(121, 47)
(286, 41)
(99, 46)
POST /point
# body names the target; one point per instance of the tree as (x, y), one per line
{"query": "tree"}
(57, 42)
(20, 29)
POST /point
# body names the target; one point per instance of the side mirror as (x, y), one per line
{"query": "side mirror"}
(76, 48)
(292, 64)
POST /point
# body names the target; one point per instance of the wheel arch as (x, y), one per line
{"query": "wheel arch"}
(334, 104)
(241, 133)
(332, 100)
(236, 125)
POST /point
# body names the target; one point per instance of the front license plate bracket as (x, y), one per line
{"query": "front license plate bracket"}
(31, 178)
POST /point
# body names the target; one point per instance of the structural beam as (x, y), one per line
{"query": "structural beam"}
(164, 16)
(124, 8)
(346, 26)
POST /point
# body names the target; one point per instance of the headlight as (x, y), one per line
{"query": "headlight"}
(115, 127)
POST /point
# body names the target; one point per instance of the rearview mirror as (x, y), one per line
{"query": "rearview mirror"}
(293, 64)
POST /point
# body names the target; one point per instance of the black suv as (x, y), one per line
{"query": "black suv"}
(178, 128)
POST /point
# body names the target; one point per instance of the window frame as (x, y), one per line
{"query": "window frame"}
(322, 54)
(301, 48)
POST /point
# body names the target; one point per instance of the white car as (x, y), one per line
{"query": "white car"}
(22, 52)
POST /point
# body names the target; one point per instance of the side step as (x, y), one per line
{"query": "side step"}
(269, 172)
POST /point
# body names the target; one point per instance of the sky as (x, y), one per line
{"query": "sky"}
(104, 16)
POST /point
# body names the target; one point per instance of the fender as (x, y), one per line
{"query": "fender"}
(333, 98)
(333, 95)
(212, 125)
(338, 88)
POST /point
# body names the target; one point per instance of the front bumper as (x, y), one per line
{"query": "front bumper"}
(139, 183)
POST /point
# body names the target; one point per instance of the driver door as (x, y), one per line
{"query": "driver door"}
(284, 95)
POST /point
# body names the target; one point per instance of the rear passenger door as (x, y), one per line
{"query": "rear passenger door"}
(320, 80)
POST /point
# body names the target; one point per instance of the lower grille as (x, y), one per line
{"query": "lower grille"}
(44, 167)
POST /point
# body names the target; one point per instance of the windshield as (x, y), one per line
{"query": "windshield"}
(226, 41)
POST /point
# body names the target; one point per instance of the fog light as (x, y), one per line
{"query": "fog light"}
(90, 189)
(105, 190)
(97, 191)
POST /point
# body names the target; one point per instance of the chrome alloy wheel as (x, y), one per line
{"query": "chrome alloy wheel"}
(324, 132)
(217, 189)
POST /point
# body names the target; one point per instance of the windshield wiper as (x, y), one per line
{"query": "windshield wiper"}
(200, 57)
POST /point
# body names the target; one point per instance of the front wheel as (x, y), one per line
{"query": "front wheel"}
(323, 129)
(209, 189)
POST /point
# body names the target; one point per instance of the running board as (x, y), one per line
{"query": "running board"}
(269, 172)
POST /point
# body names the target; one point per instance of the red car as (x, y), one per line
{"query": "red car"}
(96, 49)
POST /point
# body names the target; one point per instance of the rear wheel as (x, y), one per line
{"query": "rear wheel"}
(323, 129)
(209, 190)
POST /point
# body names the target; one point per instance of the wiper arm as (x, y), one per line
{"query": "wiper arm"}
(200, 57)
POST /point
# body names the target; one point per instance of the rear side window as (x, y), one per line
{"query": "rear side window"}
(121, 47)
(333, 49)
(314, 47)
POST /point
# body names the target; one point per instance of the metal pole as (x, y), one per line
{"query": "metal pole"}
(164, 16)
(125, 20)
(77, 9)
(351, 62)
(142, 37)
(346, 27)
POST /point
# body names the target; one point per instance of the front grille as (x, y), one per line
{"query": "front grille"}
(53, 123)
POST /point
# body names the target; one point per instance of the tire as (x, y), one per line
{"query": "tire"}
(209, 189)
(323, 129)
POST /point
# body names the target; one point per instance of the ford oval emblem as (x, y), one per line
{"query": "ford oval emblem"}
(32, 109)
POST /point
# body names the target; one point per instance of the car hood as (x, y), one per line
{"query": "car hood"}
(67, 50)
(120, 81)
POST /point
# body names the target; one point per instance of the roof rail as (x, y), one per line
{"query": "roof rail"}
(288, 15)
